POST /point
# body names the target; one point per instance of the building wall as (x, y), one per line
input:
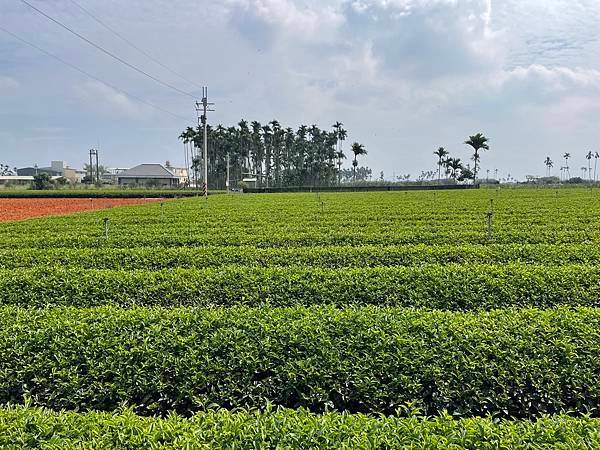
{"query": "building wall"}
(163, 182)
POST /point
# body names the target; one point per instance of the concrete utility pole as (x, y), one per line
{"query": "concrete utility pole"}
(204, 107)
(227, 182)
(97, 169)
(94, 153)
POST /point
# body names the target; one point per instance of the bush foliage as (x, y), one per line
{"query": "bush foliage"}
(38, 428)
(510, 363)
(451, 287)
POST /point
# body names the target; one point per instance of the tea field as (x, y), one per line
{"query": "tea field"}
(454, 319)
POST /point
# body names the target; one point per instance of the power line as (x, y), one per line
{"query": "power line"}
(131, 44)
(78, 69)
(103, 50)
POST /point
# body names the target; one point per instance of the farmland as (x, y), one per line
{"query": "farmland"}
(24, 208)
(307, 320)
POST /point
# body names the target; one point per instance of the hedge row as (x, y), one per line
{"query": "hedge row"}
(129, 229)
(94, 193)
(38, 428)
(325, 257)
(509, 363)
(451, 287)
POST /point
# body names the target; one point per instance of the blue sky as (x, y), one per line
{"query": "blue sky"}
(404, 76)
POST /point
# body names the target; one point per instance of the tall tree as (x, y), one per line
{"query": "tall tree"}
(589, 157)
(455, 166)
(358, 150)
(440, 153)
(275, 155)
(478, 142)
(566, 156)
(596, 156)
(549, 164)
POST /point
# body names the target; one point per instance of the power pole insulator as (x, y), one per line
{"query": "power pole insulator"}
(203, 107)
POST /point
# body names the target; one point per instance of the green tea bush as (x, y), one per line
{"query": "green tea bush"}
(310, 220)
(449, 287)
(509, 363)
(331, 257)
(38, 428)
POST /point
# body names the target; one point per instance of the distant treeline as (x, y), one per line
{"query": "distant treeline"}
(273, 155)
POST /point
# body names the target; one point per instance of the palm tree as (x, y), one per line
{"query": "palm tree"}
(446, 164)
(549, 165)
(455, 166)
(478, 142)
(357, 149)
(583, 172)
(589, 158)
(340, 156)
(341, 137)
(596, 156)
(440, 153)
(567, 156)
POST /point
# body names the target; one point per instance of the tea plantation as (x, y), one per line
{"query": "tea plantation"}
(463, 319)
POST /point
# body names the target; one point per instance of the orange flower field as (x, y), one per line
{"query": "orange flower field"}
(26, 208)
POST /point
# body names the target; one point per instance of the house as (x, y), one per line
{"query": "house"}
(56, 169)
(21, 180)
(148, 175)
(180, 172)
(32, 171)
(111, 175)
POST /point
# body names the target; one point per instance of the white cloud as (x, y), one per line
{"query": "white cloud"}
(403, 75)
(299, 20)
(97, 96)
(8, 84)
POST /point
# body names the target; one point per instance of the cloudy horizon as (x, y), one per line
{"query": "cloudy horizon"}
(404, 76)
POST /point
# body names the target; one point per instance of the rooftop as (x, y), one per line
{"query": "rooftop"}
(147, 171)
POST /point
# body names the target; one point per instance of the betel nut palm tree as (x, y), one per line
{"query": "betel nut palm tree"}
(440, 153)
(478, 142)
(566, 156)
(549, 164)
(357, 149)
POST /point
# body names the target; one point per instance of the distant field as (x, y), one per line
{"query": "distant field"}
(25, 208)
(471, 303)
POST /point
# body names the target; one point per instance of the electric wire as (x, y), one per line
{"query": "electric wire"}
(103, 50)
(131, 44)
(84, 72)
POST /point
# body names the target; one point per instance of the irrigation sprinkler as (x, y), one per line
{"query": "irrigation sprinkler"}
(106, 221)
(490, 216)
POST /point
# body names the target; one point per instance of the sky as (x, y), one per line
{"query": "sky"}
(404, 76)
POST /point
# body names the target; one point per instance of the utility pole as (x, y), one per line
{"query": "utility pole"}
(204, 107)
(91, 165)
(227, 181)
(94, 153)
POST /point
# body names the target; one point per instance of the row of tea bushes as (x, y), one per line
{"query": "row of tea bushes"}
(320, 256)
(459, 287)
(511, 363)
(38, 428)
